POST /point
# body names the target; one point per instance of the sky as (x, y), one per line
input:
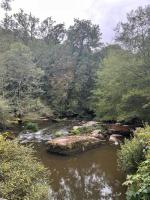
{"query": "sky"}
(106, 13)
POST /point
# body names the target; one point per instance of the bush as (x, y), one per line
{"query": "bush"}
(139, 183)
(31, 126)
(21, 176)
(143, 134)
(130, 155)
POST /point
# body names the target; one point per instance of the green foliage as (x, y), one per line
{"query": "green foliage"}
(144, 134)
(82, 130)
(76, 131)
(31, 126)
(21, 176)
(20, 77)
(139, 182)
(121, 90)
(38, 107)
(134, 33)
(123, 80)
(4, 111)
(84, 35)
(130, 155)
(58, 66)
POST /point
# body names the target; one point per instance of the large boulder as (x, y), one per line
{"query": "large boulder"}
(72, 144)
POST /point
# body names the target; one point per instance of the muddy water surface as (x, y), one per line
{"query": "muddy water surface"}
(92, 175)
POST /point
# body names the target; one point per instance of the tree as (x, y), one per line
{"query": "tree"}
(84, 35)
(7, 21)
(51, 32)
(6, 5)
(21, 77)
(84, 41)
(84, 74)
(135, 33)
(33, 26)
(26, 26)
(122, 85)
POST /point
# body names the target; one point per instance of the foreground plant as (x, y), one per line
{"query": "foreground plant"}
(139, 183)
(22, 177)
(130, 155)
(130, 159)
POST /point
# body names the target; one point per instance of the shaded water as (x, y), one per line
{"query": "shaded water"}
(92, 175)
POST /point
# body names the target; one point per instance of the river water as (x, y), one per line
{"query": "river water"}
(92, 175)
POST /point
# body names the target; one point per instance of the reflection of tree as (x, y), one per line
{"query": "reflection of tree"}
(86, 183)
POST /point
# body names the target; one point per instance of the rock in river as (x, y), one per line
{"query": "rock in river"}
(118, 129)
(116, 139)
(98, 134)
(69, 145)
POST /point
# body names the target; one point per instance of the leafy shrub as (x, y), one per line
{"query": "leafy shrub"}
(139, 183)
(21, 176)
(143, 134)
(130, 155)
(31, 126)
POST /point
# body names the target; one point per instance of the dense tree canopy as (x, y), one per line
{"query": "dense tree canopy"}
(123, 79)
(70, 70)
(122, 87)
(20, 78)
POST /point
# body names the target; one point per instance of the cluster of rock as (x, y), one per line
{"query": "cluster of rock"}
(117, 132)
(69, 145)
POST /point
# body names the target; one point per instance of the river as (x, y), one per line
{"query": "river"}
(92, 175)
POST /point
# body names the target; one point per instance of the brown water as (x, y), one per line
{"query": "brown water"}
(92, 175)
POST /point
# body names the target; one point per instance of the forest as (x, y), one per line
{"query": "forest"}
(47, 69)
(52, 72)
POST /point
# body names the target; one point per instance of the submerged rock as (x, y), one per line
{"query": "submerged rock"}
(72, 144)
(39, 136)
(116, 139)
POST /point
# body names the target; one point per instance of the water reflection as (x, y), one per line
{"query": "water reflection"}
(89, 176)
